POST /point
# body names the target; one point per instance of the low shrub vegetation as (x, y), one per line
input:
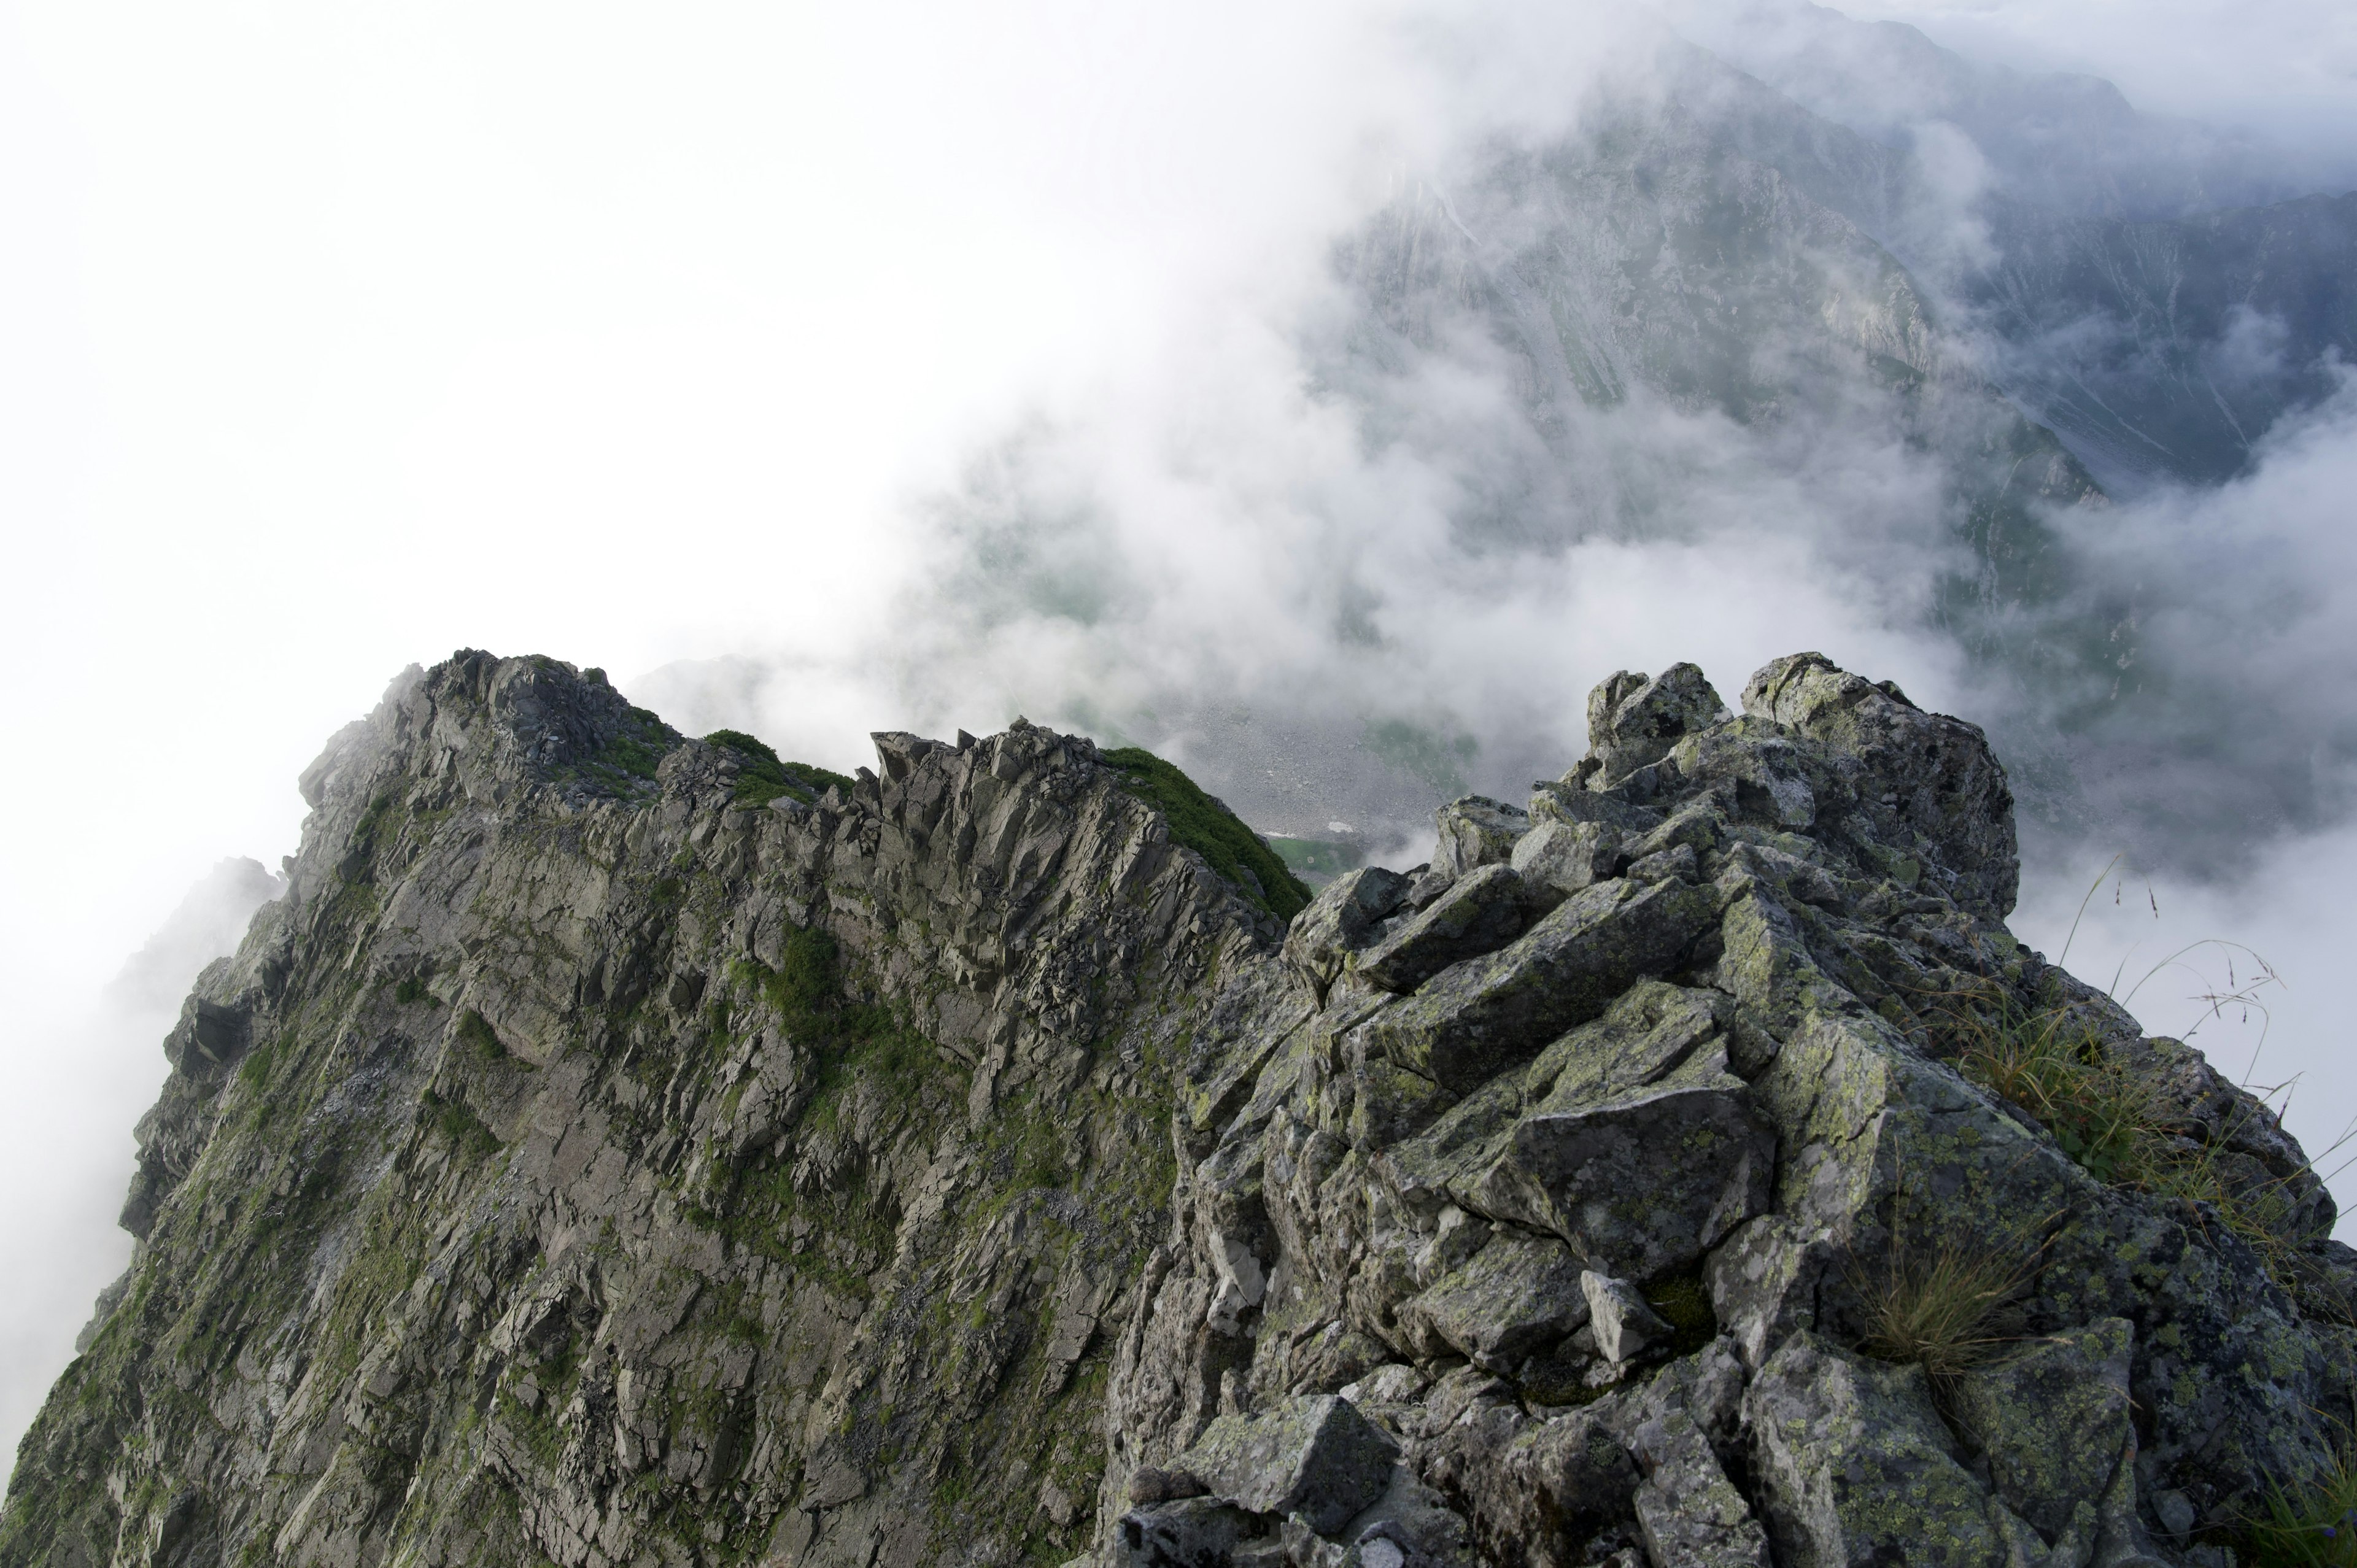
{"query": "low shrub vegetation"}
(764, 776)
(1211, 830)
(482, 1041)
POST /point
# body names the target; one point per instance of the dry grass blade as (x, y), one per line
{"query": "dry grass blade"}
(1945, 1313)
(2116, 1123)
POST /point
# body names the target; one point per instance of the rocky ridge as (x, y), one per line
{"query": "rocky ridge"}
(586, 1163)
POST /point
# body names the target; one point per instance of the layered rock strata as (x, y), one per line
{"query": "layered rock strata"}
(581, 1165)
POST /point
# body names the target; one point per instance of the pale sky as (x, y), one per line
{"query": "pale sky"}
(335, 336)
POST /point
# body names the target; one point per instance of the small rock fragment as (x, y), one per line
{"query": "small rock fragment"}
(1624, 1322)
(1557, 859)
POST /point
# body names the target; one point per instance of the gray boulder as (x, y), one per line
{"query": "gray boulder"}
(1495, 1012)
(1642, 1187)
(1342, 918)
(1517, 1298)
(1624, 1322)
(1480, 913)
(1476, 830)
(1633, 722)
(1557, 859)
(1315, 1456)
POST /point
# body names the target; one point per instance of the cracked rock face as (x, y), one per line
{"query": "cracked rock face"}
(583, 1165)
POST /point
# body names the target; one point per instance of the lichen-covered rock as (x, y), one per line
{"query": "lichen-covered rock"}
(1855, 1466)
(1480, 913)
(2053, 1421)
(1641, 1186)
(1692, 1515)
(1475, 831)
(1517, 1298)
(1316, 1456)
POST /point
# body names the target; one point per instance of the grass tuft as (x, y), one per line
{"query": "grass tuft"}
(2056, 1067)
(2312, 1525)
(2107, 1116)
(1946, 1312)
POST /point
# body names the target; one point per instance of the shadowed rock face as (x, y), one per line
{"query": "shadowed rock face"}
(578, 1165)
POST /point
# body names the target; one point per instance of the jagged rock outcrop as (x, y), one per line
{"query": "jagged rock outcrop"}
(584, 1163)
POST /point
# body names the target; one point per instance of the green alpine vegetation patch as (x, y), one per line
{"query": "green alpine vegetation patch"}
(851, 1038)
(2108, 1115)
(765, 776)
(475, 1032)
(636, 750)
(2311, 1525)
(1211, 830)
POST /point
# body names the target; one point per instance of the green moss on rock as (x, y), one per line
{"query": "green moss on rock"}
(1211, 830)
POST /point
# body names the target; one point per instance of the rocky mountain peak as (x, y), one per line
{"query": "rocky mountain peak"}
(617, 1147)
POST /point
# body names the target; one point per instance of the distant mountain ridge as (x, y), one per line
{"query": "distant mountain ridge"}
(2158, 293)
